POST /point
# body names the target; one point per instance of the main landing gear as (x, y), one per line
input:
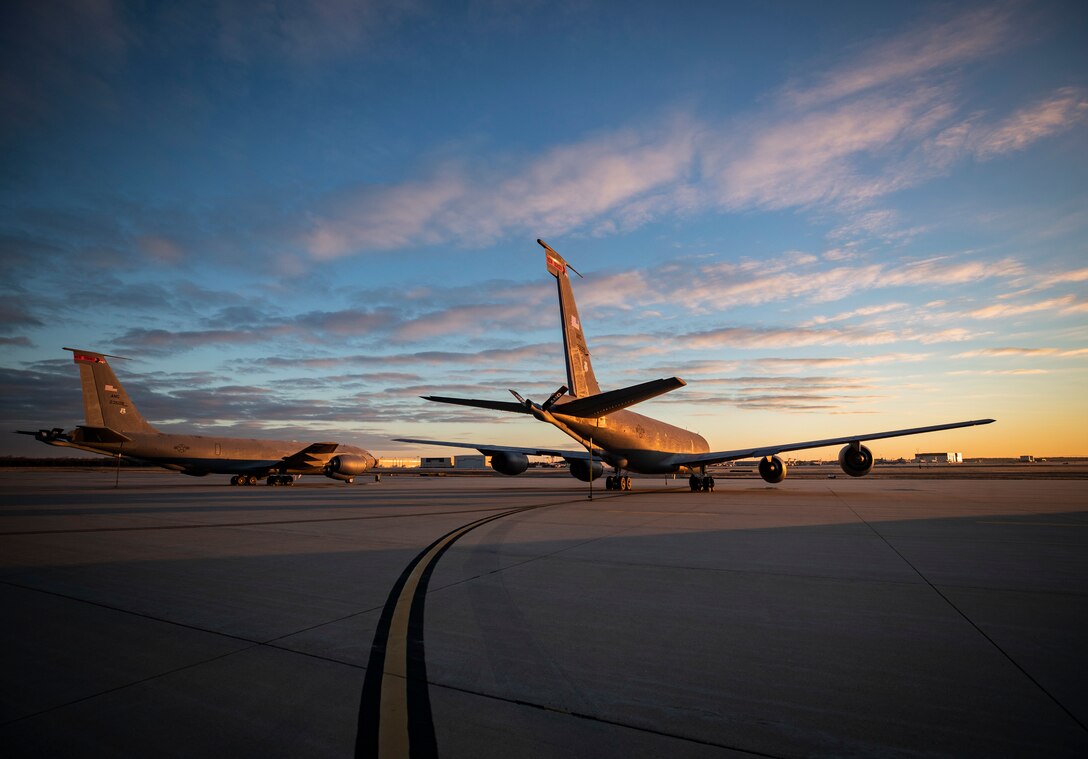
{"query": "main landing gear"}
(704, 483)
(617, 482)
(243, 479)
(280, 479)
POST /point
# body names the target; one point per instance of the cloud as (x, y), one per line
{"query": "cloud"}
(465, 320)
(1065, 303)
(879, 122)
(566, 187)
(922, 50)
(1061, 111)
(857, 312)
(781, 365)
(305, 31)
(804, 159)
(545, 353)
(1011, 352)
(21, 342)
(784, 337)
(1075, 275)
(720, 285)
(160, 249)
(1001, 372)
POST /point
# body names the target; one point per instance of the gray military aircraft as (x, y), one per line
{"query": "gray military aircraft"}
(115, 428)
(630, 442)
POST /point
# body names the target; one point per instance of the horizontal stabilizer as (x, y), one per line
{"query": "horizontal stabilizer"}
(494, 405)
(605, 403)
(100, 435)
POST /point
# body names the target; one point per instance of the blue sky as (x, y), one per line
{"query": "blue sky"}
(296, 218)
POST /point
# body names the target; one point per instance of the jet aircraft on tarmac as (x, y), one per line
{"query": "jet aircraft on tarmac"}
(115, 428)
(630, 442)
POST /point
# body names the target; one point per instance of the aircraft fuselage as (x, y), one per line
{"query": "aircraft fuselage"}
(632, 441)
(200, 455)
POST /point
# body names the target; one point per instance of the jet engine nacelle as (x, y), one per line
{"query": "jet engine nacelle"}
(346, 465)
(772, 469)
(348, 478)
(581, 470)
(509, 462)
(856, 461)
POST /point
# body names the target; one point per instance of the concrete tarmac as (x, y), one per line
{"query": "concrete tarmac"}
(181, 617)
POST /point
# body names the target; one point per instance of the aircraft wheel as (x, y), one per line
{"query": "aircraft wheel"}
(695, 483)
(251, 480)
(271, 480)
(234, 480)
(608, 482)
(288, 479)
(625, 483)
(708, 484)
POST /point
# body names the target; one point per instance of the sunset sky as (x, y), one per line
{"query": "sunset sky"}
(295, 218)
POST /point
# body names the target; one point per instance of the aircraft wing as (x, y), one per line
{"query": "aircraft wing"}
(488, 449)
(704, 459)
(605, 403)
(494, 405)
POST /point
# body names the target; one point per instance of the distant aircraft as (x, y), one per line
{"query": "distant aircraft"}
(115, 428)
(630, 442)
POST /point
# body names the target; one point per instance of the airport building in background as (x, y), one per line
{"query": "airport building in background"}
(477, 461)
(402, 462)
(949, 457)
(436, 462)
(471, 461)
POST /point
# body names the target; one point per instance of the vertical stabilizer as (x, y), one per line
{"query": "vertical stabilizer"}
(580, 378)
(105, 402)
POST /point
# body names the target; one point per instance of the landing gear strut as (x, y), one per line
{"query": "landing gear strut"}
(703, 483)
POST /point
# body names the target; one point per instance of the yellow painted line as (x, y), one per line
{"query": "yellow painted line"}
(393, 730)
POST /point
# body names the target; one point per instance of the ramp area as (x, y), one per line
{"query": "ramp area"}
(174, 616)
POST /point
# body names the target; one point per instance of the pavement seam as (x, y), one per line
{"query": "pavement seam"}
(604, 720)
(253, 644)
(966, 618)
(204, 526)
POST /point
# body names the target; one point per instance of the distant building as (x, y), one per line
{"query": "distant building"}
(944, 457)
(398, 463)
(471, 461)
(1026, 459)
(436, 462)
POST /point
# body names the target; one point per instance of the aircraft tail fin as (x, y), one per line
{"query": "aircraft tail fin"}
(580, 377)
(105, 402)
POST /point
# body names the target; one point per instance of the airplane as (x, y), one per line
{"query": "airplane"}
(631, 442)
(114, 427)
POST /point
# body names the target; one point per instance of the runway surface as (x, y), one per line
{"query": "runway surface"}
(499, 617)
